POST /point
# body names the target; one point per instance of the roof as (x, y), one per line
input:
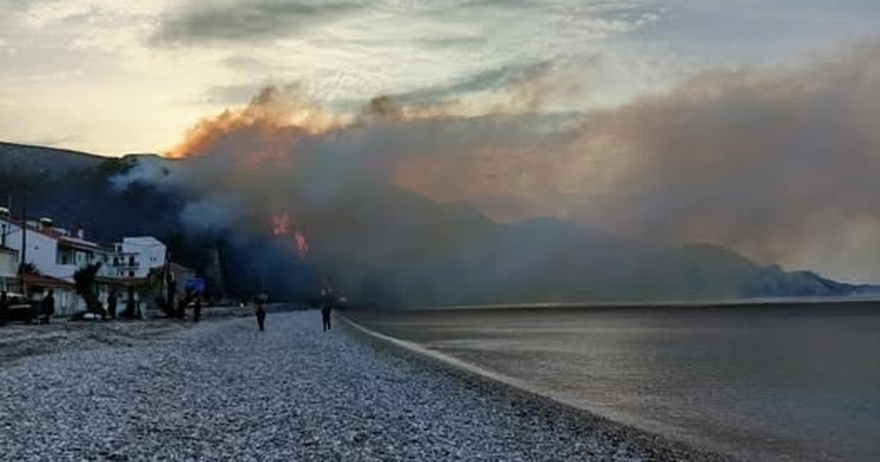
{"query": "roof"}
(52, 233)
(80, 243)
(126, 282)
(45, 281)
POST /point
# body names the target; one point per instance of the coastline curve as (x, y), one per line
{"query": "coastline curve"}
(653, 446)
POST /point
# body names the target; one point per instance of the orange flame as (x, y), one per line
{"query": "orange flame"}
(281, 224)
(302, 244)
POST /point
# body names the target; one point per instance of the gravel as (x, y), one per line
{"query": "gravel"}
(18, 341)
(225, 391)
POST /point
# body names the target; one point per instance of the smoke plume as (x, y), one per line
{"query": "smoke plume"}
(775, 163)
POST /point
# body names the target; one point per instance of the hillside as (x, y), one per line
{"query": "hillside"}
(21, 158)
(417, 253)
(381, 244)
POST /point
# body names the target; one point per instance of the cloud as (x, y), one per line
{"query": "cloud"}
(218, 22)
(58, 141)
(490, 79)
(235, 94)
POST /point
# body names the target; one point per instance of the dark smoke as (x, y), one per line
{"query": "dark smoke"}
(767, 162)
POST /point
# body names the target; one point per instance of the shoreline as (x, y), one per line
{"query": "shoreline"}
(226, 391)
(647, 445)
(66, 337)
(865, 301)
(426, 409)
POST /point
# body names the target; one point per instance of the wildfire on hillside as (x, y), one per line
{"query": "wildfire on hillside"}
(302, 244)
(281, 224)
(282, 227)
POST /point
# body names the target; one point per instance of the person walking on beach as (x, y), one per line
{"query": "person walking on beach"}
(197, 309)
(48, 307)
(4, 302)
(261, 313)
(112, 302)
(325, 314)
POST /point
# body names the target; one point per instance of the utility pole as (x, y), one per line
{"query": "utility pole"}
(170, 282)
(23, 244)
(7, 225)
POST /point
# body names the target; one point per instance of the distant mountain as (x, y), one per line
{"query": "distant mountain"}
(413, 253)
(384, 245)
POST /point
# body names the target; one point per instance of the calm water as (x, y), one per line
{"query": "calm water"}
(760, 383)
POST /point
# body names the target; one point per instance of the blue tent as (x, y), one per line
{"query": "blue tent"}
(195, 284)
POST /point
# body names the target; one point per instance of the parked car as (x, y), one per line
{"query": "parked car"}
(19, 308)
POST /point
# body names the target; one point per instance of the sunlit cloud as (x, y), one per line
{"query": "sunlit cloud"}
(230, 21)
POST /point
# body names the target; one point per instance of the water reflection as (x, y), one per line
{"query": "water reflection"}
(773, 383)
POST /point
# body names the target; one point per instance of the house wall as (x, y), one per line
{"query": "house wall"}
(61, 257)
(41, 252)
(149, 253)
(8, 263)
(67, 302)
(8, 270)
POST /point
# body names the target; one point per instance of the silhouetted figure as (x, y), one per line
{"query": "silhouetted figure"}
(197, 309)
(325, 315)
(4, 303)
(48, 307)
(131, 310)
(261, 315)
(112, 303)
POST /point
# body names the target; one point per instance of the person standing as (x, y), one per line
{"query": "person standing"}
(261, 313)
(197, 309)
(48, 307)
(4, 302)
(112, 302)
(325, 315)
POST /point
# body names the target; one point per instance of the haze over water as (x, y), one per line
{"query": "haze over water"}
(781, 382)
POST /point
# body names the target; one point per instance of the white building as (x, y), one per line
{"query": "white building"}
(8, 270)
(56, 254)
(135, 256)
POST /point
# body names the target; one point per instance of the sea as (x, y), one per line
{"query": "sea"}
(755, 381)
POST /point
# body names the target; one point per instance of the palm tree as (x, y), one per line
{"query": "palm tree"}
(84, 283)
(29, 269)
(156, 281)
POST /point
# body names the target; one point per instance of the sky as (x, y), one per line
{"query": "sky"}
(746, 123)
(115, 77)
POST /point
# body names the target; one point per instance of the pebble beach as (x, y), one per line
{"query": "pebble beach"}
(222, 390)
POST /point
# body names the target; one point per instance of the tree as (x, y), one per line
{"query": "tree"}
(84, 283)
(29, 269)
(157, 280)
